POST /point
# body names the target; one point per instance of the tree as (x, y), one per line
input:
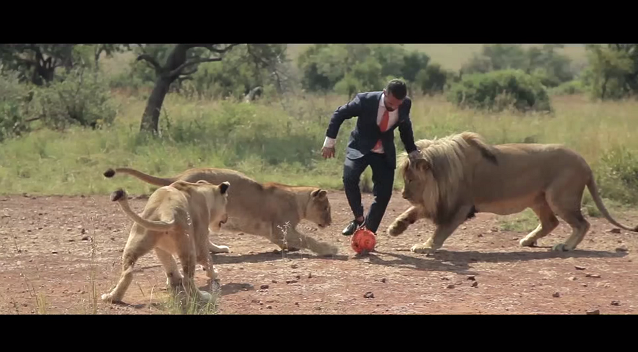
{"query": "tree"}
(36, 62)
(613, 70)
(108, 50)
(178, 64)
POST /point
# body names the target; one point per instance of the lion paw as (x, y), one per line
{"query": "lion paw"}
(397, 228)
(219, 249)
(561, 247)
(174, 282)
(422, 249)
(106, 297)
(527, 243)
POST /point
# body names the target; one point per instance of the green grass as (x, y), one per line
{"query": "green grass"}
(272, 144)
(525, 221)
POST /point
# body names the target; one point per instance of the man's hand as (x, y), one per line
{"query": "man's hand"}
(328, 152)
(415, 155)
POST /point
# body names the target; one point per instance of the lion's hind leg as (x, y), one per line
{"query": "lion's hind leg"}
(136, 247)
(579, 226)
(565, 201)
(173, 277)
(188, 258)
(548, 222)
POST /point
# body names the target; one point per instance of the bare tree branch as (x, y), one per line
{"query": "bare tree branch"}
(188, 73)
(151, 61)
(176, 72)
(221, 51)
(212, 48)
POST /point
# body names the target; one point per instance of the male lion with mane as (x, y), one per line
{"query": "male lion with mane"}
(460, 175)
(175, 220)
(259, 208)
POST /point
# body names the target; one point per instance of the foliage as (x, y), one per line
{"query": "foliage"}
(612, 71)
(37, 63)
(350, 68)
(551, 67)
(14, 105)
(499, 90)
(81, 99)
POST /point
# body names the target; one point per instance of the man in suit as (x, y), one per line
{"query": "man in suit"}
(371, 143)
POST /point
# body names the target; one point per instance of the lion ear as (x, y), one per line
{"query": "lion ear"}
(319, 193)
(223, 187)
(422, 164)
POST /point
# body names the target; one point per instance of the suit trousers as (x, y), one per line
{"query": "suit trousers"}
(383, 180)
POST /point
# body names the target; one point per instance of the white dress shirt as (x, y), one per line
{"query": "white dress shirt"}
(392, 119)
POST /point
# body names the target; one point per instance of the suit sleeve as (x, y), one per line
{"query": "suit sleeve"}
(344, 112)
(406, 133)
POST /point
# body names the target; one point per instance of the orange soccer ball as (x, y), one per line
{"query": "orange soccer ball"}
(363, 240)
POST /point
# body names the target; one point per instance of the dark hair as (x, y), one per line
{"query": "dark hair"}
(397, 88)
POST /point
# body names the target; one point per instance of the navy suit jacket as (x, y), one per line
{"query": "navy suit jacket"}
(366, 133)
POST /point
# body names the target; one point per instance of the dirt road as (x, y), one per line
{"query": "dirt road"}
(46, 266)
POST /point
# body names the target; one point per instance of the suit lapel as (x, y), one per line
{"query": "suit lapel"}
(375, 113)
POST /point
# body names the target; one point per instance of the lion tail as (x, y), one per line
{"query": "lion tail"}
(593, 189)
(121, 197)
(157, 181)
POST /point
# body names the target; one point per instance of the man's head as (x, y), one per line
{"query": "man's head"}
(394, 93)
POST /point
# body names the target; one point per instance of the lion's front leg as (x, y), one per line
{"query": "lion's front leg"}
(442, 232)
(403, 221)
(296, 240)
(214, 248)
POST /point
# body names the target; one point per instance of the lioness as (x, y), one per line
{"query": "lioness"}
(460, 175)
(175, 220)
(260, 209)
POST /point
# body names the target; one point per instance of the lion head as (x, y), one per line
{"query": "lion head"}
(217, 201)
(417, 178)
(437, 179)
(318, 208)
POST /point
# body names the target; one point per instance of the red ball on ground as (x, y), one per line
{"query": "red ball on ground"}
(363, 240)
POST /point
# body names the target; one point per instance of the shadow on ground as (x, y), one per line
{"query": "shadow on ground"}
(417, 263)
(461, 258)
(269, 256)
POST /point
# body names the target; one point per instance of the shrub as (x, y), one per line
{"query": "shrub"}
(617, 175)
(568, 88)
(14, 106)
(82, 98)
(499, 90)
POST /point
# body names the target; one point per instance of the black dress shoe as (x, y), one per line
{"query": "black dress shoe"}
(351, 228)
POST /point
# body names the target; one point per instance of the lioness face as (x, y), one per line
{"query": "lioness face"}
(219, 201)
(318, 209)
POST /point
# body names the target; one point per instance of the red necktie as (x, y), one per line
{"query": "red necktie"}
(383, 126)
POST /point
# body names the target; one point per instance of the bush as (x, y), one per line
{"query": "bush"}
(14, 106)
(568, 88)
(433, 79)
(617, 175)
(82, 98)
(499, 90)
